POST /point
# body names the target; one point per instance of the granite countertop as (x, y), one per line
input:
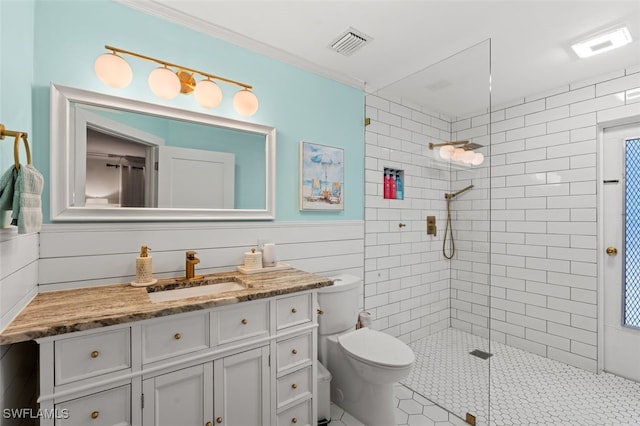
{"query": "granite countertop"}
(66, 311)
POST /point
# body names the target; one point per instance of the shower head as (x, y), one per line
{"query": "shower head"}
(470, 146)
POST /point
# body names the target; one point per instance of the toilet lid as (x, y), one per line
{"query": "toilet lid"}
(377, 348)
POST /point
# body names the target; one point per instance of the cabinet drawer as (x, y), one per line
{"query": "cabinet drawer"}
(294, 351)
(296, 385)
(175, 336)
(293, 310)
(108, 408)
(297, 415)
(91, 355)
(242, 321)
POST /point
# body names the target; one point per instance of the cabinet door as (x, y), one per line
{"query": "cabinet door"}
(241, 389)
(182, 397)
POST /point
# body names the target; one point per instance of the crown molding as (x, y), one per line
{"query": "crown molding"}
(170, 14)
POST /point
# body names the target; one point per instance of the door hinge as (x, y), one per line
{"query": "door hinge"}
(269, 360)
(142, 400)
(156, 165)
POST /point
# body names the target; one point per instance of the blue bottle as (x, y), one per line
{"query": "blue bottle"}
(399, 187)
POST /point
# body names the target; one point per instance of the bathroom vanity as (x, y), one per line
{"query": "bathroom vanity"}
(110, 355)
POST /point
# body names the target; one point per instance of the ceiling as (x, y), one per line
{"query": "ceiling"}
(410, 42)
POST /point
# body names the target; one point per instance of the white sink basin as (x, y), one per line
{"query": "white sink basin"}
(201, 290)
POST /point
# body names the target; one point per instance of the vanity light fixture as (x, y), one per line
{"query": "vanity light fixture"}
(458, 151)
(602, 42)
(168, 80)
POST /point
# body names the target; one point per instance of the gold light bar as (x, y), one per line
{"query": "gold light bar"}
(169, 64)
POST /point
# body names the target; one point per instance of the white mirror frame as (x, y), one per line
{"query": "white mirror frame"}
(63, 151)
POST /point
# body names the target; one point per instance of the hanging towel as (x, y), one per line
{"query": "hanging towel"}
(7, 184)
(27, 204)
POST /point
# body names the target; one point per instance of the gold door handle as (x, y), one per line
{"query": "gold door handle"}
(95, 415)
(294, 311)
(95, 354)
(320, 312)
(244, 321)
(612, 251)
(219, 420)
(177, 336)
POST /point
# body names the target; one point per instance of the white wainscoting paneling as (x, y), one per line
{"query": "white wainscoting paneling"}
(74, 256)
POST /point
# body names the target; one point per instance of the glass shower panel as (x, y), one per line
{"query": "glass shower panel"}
(453, 357)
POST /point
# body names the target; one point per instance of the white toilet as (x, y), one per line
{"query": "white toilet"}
(364, 363)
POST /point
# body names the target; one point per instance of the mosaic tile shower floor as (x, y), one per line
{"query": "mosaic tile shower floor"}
(526, 389)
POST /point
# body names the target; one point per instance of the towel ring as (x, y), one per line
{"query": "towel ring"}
(16, 149)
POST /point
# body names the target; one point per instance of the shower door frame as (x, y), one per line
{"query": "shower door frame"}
(624, 118)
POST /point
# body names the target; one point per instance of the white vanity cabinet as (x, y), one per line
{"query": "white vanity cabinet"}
(231, 391)
(249, 363)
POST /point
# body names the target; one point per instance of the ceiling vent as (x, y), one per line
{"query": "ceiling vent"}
(349, 41)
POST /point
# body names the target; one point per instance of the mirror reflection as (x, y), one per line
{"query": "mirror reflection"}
(131, 160)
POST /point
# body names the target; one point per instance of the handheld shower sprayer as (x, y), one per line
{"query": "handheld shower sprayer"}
(448, 227)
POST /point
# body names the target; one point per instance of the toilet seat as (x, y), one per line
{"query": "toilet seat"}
(377, 348)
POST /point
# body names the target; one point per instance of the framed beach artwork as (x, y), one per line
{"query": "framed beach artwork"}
(321, 177)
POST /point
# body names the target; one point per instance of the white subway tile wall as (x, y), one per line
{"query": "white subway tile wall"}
(541, 180)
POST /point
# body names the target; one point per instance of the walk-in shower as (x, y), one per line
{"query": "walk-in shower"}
(506, 332)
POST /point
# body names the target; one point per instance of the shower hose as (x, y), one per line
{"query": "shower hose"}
(448, 229)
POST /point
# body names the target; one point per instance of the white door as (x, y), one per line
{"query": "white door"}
(621, 268)
(241, 388)
(195, 178)
(183, 397)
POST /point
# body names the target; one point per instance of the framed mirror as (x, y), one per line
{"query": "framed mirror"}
(117, 159)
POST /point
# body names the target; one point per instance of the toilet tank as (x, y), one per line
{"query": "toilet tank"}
(339, 304)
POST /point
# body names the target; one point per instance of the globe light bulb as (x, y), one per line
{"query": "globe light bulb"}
(457, 154)
(245, 102)
(478, 158)
(113, 70)
(164, 83)
(468, 157)
(208, 94)
(446, 152)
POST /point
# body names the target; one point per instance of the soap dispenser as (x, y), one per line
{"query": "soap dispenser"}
(144, 269)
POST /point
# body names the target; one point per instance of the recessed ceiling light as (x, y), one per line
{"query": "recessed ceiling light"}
(602, 43)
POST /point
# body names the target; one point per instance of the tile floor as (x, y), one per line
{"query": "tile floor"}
(411, 409)
(526, 389)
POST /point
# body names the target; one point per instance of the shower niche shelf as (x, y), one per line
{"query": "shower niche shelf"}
(393, 184)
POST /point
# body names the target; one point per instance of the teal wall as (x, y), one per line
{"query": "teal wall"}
(301, 105)
(16, 73)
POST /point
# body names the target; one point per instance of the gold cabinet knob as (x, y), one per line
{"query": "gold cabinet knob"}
(294, 420)
(294, 386)
(244, 321)
(612, 251)
(177, 336)
(294, 351)
(208, 424)
(219, 420)
(294, 310)
(320, 312)
(95, 414)
(95, 354)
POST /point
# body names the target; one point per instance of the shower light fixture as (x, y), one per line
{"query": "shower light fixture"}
(602, 42)
(458, 151)
(168, 80)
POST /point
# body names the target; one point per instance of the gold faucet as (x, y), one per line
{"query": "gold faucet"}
(191, 263)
